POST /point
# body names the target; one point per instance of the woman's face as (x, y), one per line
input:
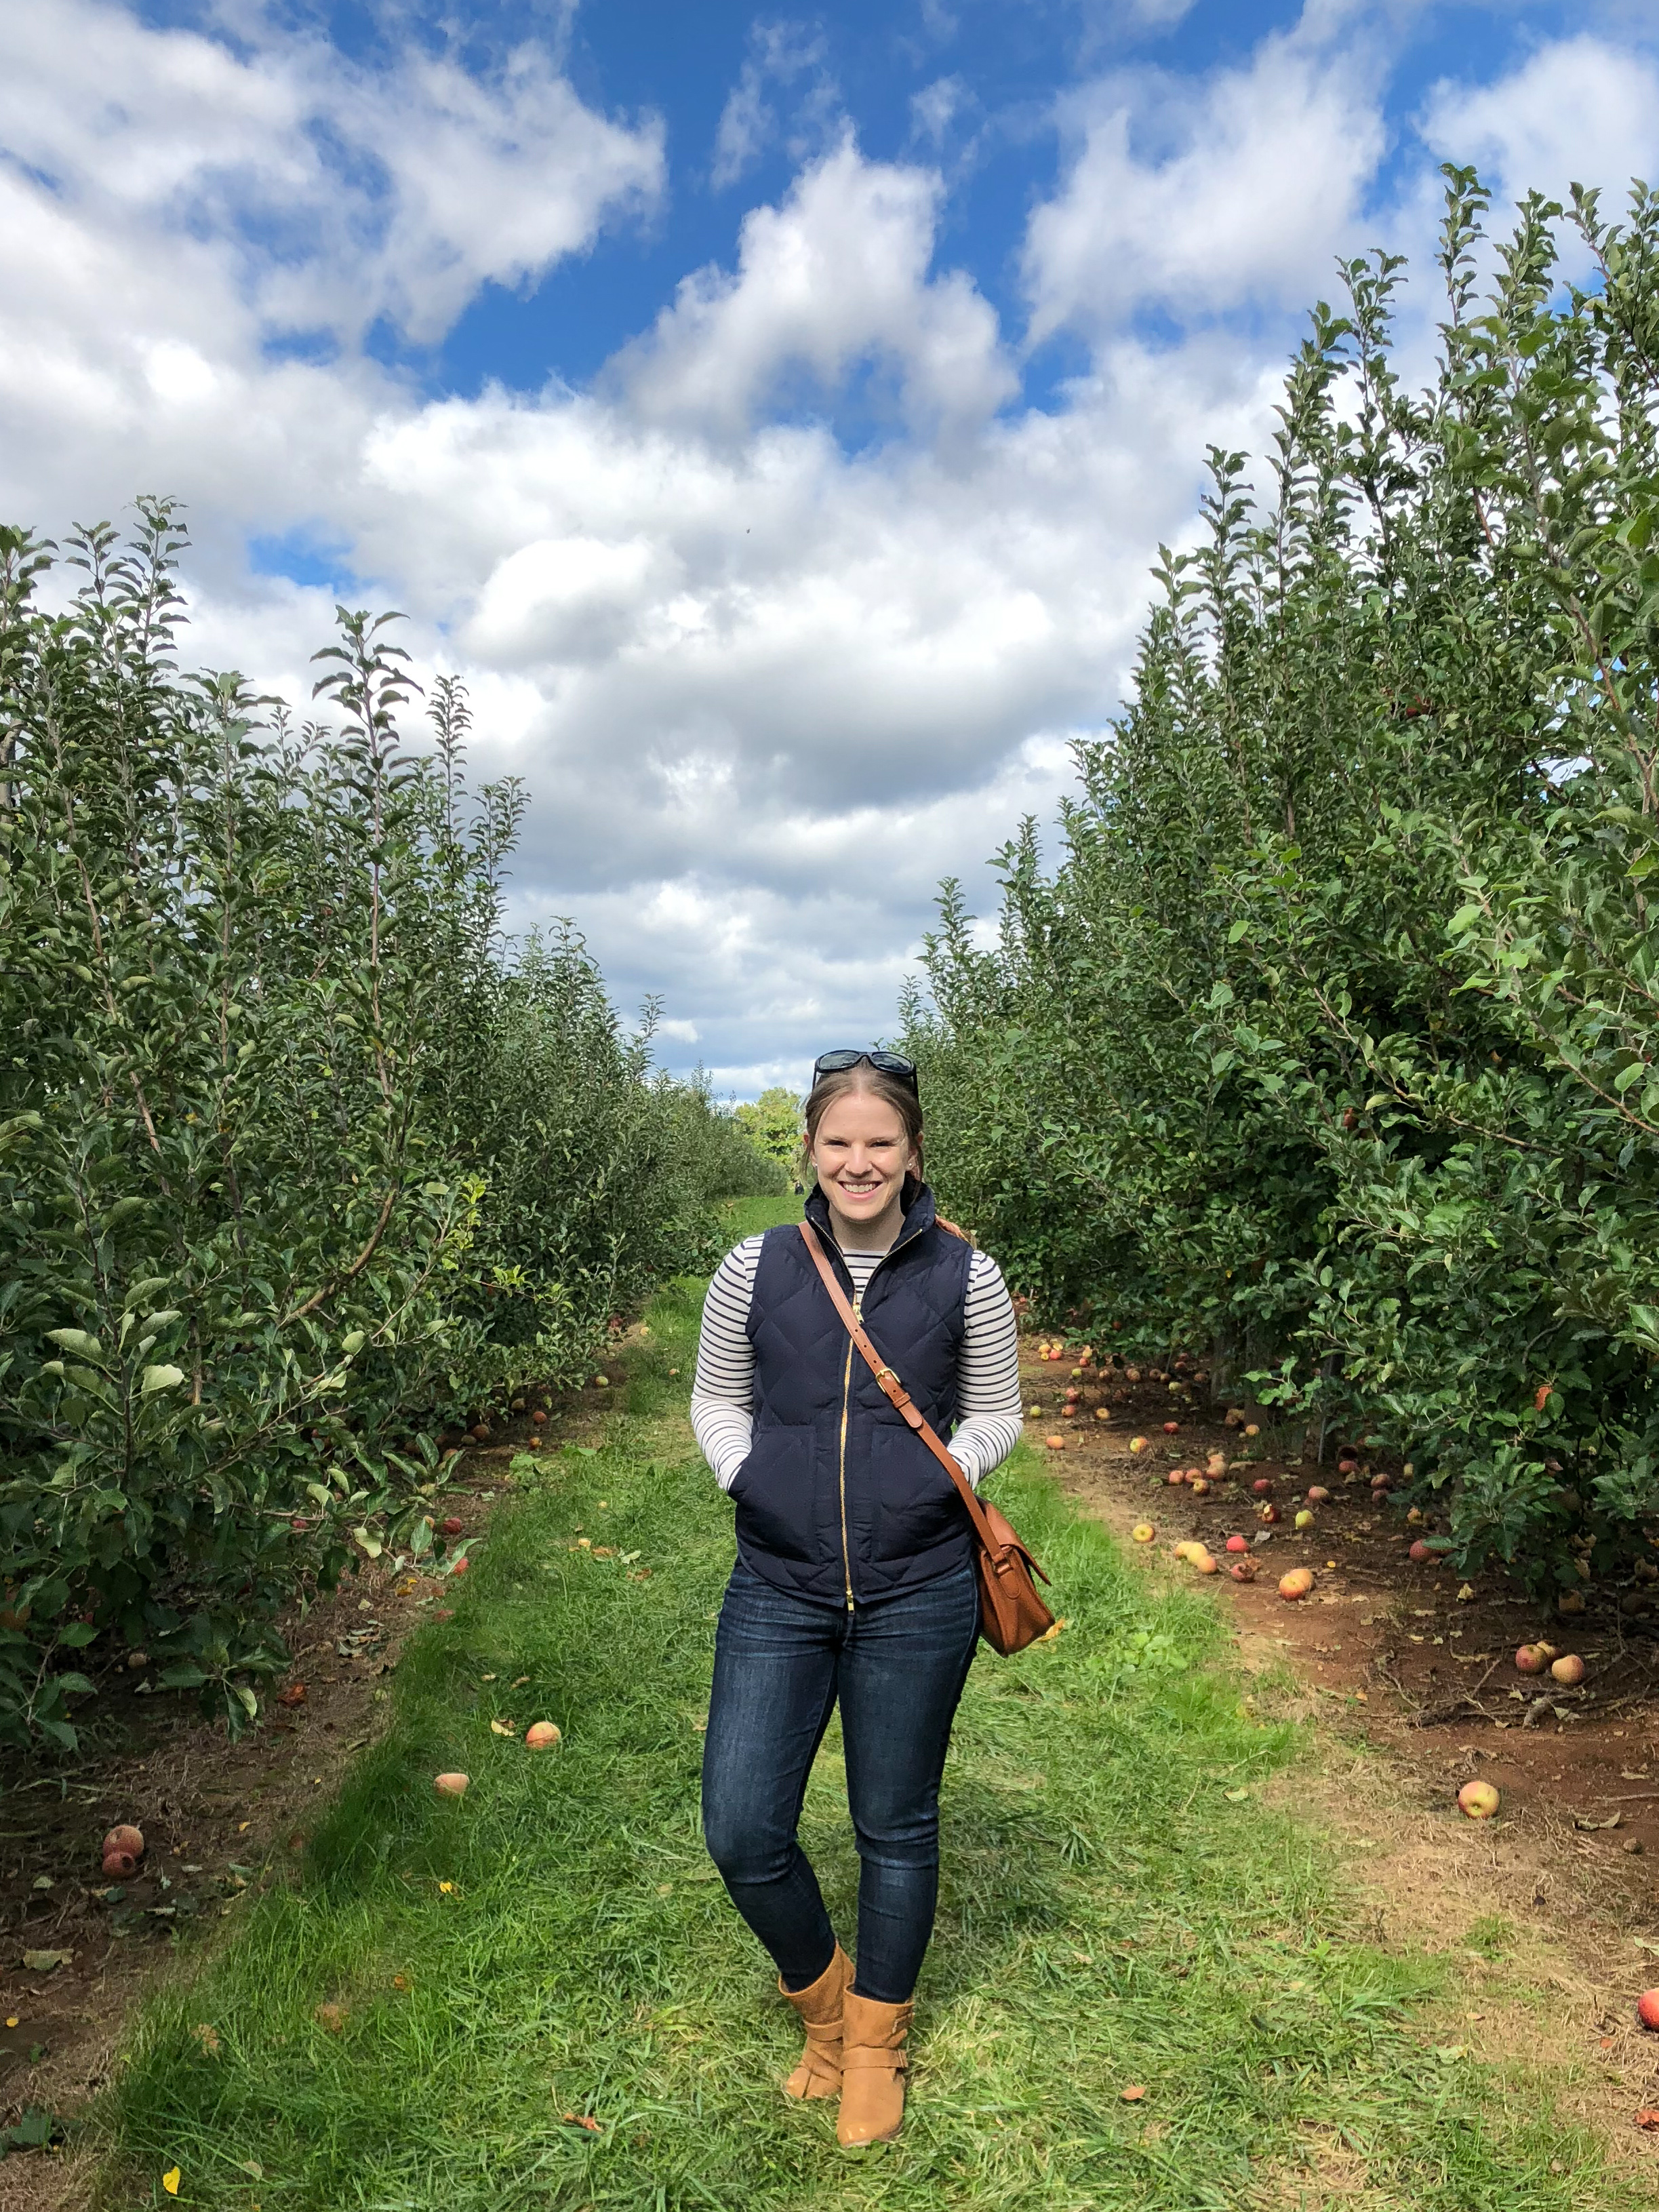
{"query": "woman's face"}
(862, 1156)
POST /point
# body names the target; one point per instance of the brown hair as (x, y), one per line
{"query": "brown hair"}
(892, 1092)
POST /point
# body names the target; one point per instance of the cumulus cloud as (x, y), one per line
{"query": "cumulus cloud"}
(320, 193)
(783, 59)
(768, 681)
(1198, 199)
(1577, 110)
(836, 277)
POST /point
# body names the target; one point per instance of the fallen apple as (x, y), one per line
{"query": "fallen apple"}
(1571, 1602)
(1647, 2008)
(1263, 1485)
(459, 1566)
(1177, 1474)
(1530, 1660)
(1199, 1485)
(541, 1734)
(1172, 1428)
(1419, 1551)
(1251, 1430)
(1185, 1548)
(451, 1786)
(1055, 1443)
(126, 1840)
(450, 1527)
(1239, 1543)
(1318, 1495)
(1479, 1800)
(1137, 1443)
(1206, 1563)
(120, 1866)
(1303, 1519)
(1243, 1570)
(1296, 1585)
(538, 1417)
(1569, 1670)
(1267, 1512)
(1143, 1532)
(1102, 1414)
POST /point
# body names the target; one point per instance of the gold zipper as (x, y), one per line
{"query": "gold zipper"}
(846, 1391)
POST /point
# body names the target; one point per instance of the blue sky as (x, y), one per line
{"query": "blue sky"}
(773, 415)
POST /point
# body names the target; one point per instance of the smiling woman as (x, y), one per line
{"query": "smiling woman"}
(855, 1581)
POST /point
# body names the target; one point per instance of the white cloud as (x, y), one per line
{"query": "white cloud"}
(1577, 110)
(781, 56)
(766, 689)
(1199, 199)
(835, 276)
(298, 190)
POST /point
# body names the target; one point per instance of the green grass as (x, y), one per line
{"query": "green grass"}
(1118, 1907)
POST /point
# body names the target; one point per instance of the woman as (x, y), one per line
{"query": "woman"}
(855, 1579)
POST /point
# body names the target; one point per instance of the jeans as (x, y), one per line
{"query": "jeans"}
(779, 1664)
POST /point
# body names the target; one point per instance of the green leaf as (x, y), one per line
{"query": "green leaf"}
(77, 1341)
(161, 1378)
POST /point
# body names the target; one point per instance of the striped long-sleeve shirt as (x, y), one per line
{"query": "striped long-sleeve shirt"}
(988, 1392)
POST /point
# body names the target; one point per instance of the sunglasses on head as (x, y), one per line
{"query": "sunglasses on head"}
(889, 1063)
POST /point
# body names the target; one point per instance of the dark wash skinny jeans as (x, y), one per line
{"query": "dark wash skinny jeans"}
(898, 1668)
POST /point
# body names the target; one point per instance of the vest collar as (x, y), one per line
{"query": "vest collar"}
(917, 1199)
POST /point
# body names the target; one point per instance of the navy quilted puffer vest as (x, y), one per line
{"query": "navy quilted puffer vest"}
(838, 1501)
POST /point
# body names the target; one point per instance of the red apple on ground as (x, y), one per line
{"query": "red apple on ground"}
(1199, 1485)
(1419, 1551)
(1137, 1443)
(124, 1841)
(541, 1734)
(1296, 1585)
(1055, 1443)
(1478, 1800)
(1263, 1485)
(451, 1786)
(1318, 1495)
(1243, 1570)
(1647, 2008)
(1268, 1513)
(1239, 1543)
(1206, 1563)
(1176, 1475)
(1530, 1660)
(1172, 1428)
(450, 1527)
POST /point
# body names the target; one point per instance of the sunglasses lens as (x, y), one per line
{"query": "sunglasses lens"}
(889, 1063)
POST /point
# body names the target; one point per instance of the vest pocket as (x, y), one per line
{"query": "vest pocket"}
(773, 1491)
(916, 1501)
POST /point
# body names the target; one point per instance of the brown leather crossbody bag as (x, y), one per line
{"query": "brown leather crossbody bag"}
(1011, 1613)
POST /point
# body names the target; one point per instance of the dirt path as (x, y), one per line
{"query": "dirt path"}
(1563, 1887)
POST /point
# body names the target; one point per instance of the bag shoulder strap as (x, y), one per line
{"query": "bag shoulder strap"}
(895, 1390)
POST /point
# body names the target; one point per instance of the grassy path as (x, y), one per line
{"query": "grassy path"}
(1119, 1907)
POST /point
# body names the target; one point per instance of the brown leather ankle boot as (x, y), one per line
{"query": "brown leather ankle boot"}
(819, 2006)
(872, 2065)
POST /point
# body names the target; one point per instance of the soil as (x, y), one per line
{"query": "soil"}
(220, 1819)
(1411, 1671)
